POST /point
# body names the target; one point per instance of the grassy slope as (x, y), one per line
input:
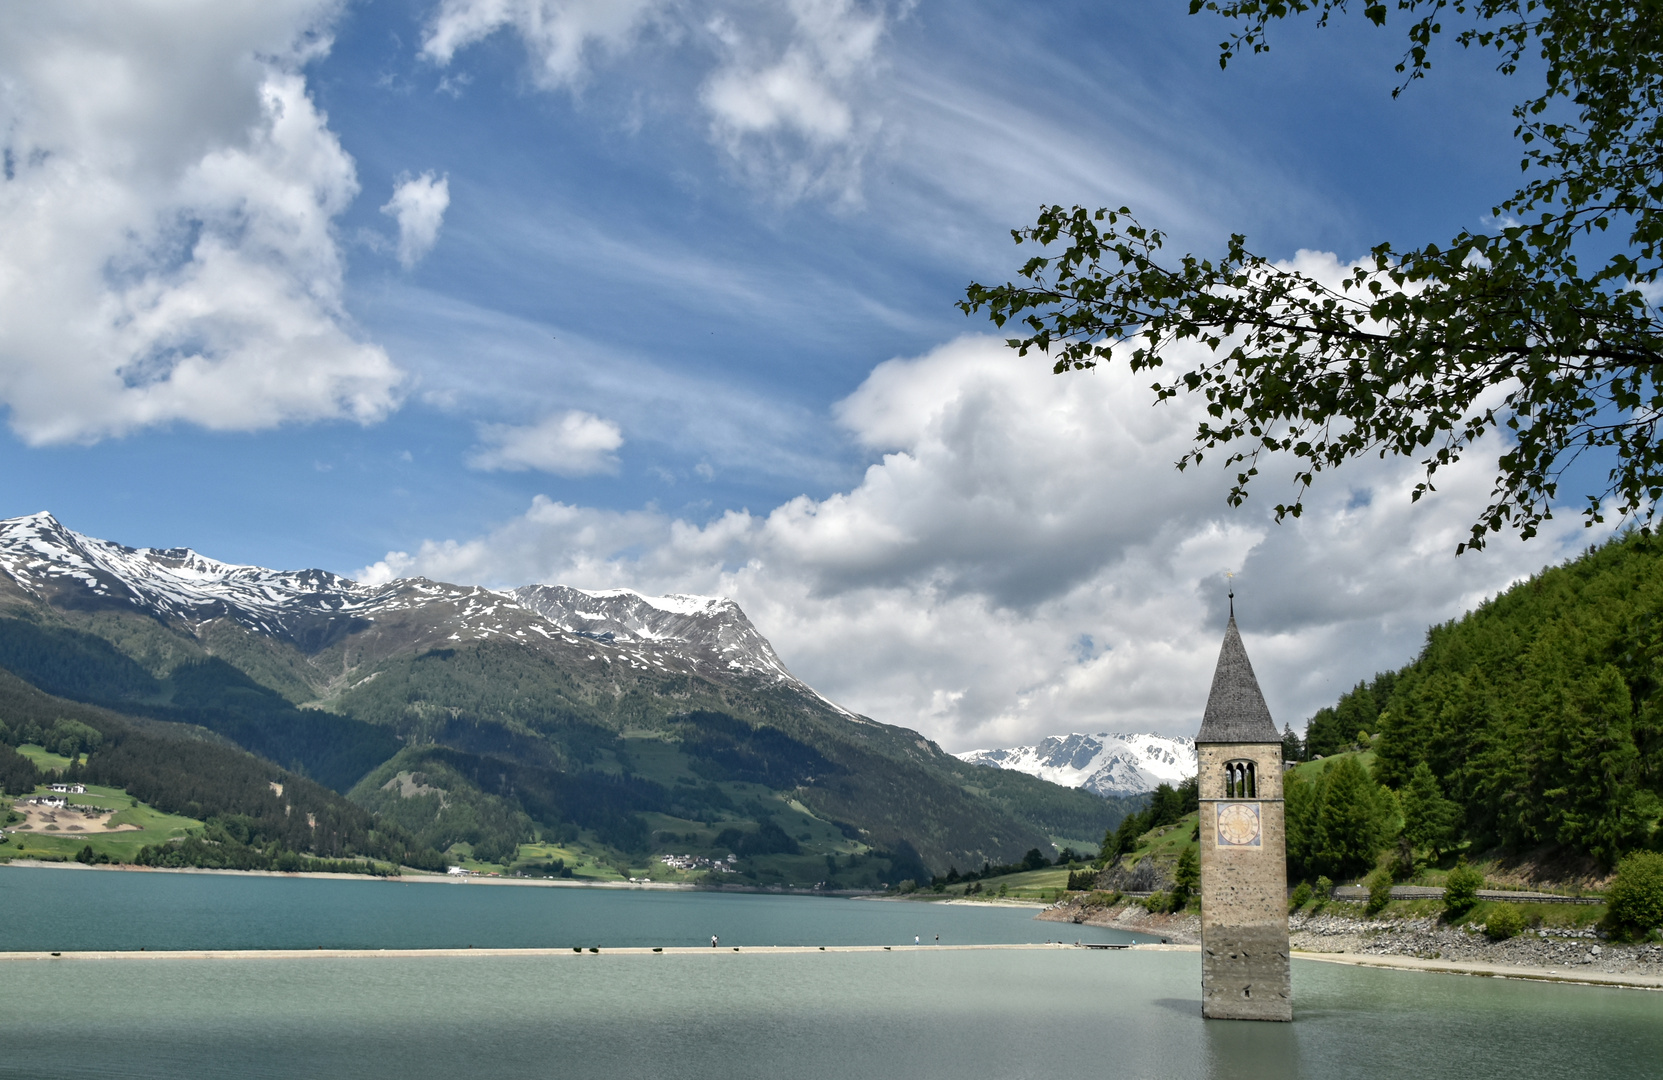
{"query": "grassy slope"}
(887, 781)
(1310, 770)
(125, 662)
(155, 827)
(196, 773)
(43, 758)
(495, 700)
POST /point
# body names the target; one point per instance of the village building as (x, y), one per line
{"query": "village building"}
(1244, 877)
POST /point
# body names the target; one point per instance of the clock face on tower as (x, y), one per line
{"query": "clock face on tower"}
(1238, 824)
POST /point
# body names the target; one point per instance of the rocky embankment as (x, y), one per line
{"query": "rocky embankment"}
(1562, 950)
(1182, 929)
(1557, 949)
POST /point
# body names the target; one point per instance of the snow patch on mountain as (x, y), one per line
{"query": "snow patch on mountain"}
(617, 626)
(713, 624)
(1107, 763)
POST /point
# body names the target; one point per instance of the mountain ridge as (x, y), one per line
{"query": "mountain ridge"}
(628, 722)
(1106, 763)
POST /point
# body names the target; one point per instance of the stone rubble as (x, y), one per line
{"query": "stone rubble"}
(1556, 949)
(1184, 929)
(1553, 949)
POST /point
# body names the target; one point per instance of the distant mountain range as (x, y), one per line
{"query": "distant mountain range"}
(314, 609)
(472, 717)
(1109, 763)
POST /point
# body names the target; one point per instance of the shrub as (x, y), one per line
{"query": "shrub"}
(1324, 890)
(1634, 904)
(1504, 921)
(1301, 896)
(1380, 890)
(1156, 903)
(1461, 889)
(1102, 898)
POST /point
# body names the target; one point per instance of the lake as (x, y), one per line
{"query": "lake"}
(718, 1014)
(51, 908)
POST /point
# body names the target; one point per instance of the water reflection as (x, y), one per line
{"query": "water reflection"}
(1251, 1049)
(720, 1015)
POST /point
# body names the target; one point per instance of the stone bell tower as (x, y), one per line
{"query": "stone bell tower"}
(1244, 871)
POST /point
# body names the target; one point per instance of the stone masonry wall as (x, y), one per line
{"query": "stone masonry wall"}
(1244, 920)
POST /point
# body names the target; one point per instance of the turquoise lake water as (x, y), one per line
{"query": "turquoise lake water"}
(716, 1014)
(81, 910)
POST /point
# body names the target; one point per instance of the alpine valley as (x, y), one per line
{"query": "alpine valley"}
(424, 723)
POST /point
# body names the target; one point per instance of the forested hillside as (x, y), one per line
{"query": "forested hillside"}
(463, 726)
(259, 816)
(1539, 715)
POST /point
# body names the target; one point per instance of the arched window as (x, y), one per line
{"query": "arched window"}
(1240, 780)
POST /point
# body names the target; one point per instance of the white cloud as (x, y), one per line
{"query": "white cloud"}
(418, 204)
(573, 443)
(168, 212)
(559, 35)
(791, 108)
(1013, 516)
(789, 93)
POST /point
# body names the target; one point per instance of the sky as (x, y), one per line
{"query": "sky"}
(659, 294)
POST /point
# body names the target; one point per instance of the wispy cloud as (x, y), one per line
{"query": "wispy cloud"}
(559, 35)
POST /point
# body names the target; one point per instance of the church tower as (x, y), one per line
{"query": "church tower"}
(1244, 870)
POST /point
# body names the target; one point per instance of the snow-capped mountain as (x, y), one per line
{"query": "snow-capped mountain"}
(712, 625)
(313, 608)
(1108, 763)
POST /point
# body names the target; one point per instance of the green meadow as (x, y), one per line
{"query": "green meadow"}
(44, 759)
(153, 827)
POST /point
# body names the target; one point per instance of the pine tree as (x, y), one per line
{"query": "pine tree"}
(1352, 821)
(1292, 748)
(1429, 819)
(1186, 877)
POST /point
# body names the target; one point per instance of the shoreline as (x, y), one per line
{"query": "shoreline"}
(1486, 969)
(1575, 957)
(574, 953)
(1478, 969)
(429, 878)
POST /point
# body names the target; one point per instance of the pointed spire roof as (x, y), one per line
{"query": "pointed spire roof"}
(1236, 710)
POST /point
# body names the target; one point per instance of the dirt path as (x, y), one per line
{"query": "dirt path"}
(37, 818)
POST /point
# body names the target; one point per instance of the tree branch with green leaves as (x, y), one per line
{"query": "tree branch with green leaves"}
(1415, 351)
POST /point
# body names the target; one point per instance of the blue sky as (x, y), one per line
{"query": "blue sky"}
(674, 310)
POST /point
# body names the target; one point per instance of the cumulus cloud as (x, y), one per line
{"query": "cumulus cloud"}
(573, 443)
(1022, 559)
(168, 217)
(418, 205)
(168, 210)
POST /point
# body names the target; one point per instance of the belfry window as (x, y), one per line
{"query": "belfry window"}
(1240, 781)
